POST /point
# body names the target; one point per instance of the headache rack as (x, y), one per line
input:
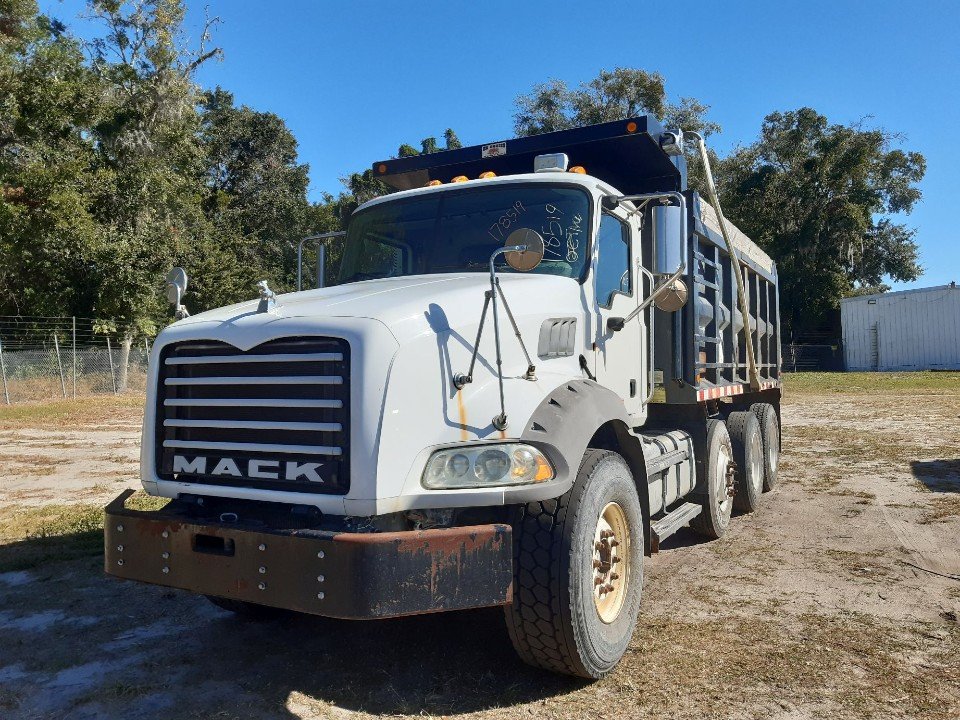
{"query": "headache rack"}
(634, 155)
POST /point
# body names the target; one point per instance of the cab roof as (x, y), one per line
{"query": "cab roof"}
(588, 182)
(626, 154)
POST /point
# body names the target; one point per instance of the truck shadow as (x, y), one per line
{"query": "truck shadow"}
(938, 475)
(218, 664)
(431, 665)
(683, 538)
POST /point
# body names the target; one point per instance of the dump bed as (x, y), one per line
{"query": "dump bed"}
(701, 351)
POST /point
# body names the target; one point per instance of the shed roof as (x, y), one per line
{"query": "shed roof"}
(898, 293)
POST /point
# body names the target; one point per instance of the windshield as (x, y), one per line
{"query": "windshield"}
(458, 230)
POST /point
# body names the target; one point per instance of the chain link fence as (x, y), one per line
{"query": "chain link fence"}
(66, 357)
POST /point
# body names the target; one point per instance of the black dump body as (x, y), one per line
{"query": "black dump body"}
(625, 153)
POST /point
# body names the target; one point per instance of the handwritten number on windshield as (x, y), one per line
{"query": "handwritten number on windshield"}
(498, 229)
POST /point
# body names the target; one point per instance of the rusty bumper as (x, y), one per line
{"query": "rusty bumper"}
(335, 574)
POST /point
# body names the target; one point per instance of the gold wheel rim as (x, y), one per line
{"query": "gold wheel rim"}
(611, 562)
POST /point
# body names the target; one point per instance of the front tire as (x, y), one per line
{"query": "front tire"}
(578, 564)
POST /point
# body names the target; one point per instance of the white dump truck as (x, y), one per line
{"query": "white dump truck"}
(541, 358)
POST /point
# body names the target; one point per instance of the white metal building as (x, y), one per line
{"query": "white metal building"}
(906, 330)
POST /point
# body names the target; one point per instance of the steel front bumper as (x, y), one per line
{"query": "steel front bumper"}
(342, 575)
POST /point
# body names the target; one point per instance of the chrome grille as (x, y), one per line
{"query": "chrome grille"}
(276, 416)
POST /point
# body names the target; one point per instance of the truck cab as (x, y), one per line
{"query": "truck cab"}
(541, 357)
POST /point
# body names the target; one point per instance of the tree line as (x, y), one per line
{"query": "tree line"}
(115, 165)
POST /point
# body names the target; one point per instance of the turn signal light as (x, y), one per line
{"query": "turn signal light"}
(578, 169)
(460, 178)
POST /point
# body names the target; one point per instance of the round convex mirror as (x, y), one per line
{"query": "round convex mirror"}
(176, 285)
(673, 297)
(526, 260)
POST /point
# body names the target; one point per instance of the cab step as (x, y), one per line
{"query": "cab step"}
(674, 520)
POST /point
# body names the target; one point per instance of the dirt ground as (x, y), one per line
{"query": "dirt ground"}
(839, 599)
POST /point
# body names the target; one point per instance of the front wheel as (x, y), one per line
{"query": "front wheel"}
(579, 572)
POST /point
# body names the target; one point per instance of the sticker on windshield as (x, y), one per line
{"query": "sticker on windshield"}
(494, 150)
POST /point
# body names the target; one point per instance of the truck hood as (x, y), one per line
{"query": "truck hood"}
(411, 305)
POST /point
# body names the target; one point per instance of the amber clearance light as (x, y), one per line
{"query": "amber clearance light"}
(631, 127)
(487, 174)
(578, 169)
(460, 178)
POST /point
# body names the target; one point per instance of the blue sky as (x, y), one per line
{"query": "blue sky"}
(354, 79)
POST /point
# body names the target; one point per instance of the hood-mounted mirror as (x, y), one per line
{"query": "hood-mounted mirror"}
(527, 259)
(176, 289)
(176, 285)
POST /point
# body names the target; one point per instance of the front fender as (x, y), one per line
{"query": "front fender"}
(564, 423)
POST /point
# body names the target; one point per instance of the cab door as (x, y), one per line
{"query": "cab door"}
(619, 360)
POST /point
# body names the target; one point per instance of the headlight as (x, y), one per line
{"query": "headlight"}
(486, 466)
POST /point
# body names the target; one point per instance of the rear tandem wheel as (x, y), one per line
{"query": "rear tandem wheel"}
(770, 433)
(747, 443)
(718, 501)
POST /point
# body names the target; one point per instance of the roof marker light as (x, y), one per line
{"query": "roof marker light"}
(631, 127)
(460, 178)
(578, 169)
(433, 183)
(487, 174)
(554, 162)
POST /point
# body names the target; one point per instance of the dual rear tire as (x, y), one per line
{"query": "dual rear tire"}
(742, 455)
(755, 438)
(770, 434)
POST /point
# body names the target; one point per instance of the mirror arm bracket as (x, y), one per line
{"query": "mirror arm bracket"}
(616, 324)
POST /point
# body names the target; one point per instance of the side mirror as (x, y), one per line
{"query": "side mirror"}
(176, 285)
(176, 289)
(527, 259)
(669, 296)
(610, 202)
(672, 297)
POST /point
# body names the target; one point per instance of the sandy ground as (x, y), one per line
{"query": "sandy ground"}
(832, 601)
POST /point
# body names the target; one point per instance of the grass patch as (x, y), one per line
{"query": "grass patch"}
(861, 446)
(33, 465)
(82, 412)
(718, 664)
(818, 383)
(31, 537)
(943, 509)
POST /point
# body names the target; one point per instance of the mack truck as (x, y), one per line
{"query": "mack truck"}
(539, 359)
